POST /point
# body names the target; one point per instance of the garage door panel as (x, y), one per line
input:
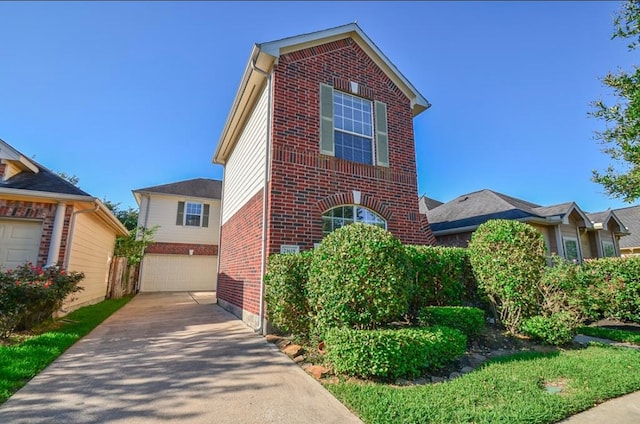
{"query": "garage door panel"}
(178, 273)
(19, 242)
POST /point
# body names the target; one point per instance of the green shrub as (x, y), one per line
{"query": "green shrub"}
(358, 278)
(561, 289)
(441, 276)
(613, 285)
(392, 353)
(286, 292)
(466, 319)
(556, 329)
(508, 258)
(30, 295)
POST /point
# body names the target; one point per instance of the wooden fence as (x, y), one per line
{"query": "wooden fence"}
(122, 278)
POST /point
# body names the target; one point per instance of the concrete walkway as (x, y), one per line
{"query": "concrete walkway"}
(173, 357)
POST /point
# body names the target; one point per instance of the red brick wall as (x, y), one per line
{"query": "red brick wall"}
(182, 249)
(304, 183)
(454, 240)
(46, 212)
(240, 257)
(2, 169)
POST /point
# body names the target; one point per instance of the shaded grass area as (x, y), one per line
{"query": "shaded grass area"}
(523, 388)
(24, 360)
(611, 334)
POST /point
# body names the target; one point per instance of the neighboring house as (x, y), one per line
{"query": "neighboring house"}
(320, 134)
(46, 220)
(567, 230)
(184, 256)
(630, 244)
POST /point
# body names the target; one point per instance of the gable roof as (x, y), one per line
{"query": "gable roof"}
(37, 181)
(263, 58)
(630, 216)
(197, 187)
(467, 212)
(426, 203)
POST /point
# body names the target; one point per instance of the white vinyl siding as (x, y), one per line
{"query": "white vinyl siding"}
(91, 253)
(244, 172)
(163, 214)
(19, 242)
(178, 273)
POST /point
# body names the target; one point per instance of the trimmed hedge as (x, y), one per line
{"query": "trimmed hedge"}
(466, 319)
(613, 285)
(358, 278)
(441, 276)
(508, 259)
(556, 329)
(286, 292)
(392, 353)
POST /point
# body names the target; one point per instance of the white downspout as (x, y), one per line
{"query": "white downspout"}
(56, 235)
(267, 168)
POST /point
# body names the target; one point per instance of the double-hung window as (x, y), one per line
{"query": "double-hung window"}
(353, 128)
(193, 214)
(571, 250)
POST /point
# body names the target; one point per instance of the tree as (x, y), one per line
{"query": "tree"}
(128, 217)
(73, 179)
(622, 134)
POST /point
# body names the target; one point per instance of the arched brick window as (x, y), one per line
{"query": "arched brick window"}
(348, 214)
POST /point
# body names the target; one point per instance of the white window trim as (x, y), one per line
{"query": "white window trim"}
(354, 214)
(371, 137)
(186, 208)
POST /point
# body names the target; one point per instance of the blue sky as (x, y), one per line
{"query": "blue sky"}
(126, 95)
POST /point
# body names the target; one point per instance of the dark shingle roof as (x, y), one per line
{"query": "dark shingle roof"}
(473, 209)
(630, 217)
(426, 203)
(198, 187)
(44, 180)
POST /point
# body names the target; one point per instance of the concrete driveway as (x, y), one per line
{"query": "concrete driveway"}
(173, 357)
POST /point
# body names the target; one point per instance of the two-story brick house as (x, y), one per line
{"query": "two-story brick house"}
(320, 134)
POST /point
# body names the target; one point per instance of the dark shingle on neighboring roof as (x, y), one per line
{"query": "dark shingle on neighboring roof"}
(561, 209)
(426, 204)
(599, 216)
(630, 217)
(198, 187)
(45, 180)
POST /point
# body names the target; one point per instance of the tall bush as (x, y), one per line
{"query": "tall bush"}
(286, 292)
(442, 276)
(613, 285)
(508, 259)
(358, 278)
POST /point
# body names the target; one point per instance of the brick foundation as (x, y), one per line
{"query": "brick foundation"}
(182, 249)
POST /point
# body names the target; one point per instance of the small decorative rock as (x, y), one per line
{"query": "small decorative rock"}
(298, 359)
(420, 381)
(317, 371)
(437, 379)
(466, 370)
(272, 338)
(454, 375)
(402, 382)
(293, 350)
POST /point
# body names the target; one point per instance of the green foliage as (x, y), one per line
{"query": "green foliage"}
(508, 258)
(286, 292)
(621, 137)
(133, 245)
(624, 336)
(613, 287)
(441, 276)
(128, 217)
(392, 353)
(508, 391)
(466, 319)
(556, 329)
(358, 278)
(30, 295)
(21, 362)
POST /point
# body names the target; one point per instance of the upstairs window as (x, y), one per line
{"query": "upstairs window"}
(345, 215)
(353, 128)
(192, 214)
(353, 133)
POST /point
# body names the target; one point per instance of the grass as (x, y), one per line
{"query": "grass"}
(611, 334)
(24, 360)
(515, 389)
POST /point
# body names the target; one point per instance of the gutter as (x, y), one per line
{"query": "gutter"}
(265, 191)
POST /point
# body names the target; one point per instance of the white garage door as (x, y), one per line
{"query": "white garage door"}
(19, 242)
(178, 273)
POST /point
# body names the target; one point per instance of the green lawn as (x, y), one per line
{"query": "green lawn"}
(21, 362)
(516, 389)
(617, 335)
